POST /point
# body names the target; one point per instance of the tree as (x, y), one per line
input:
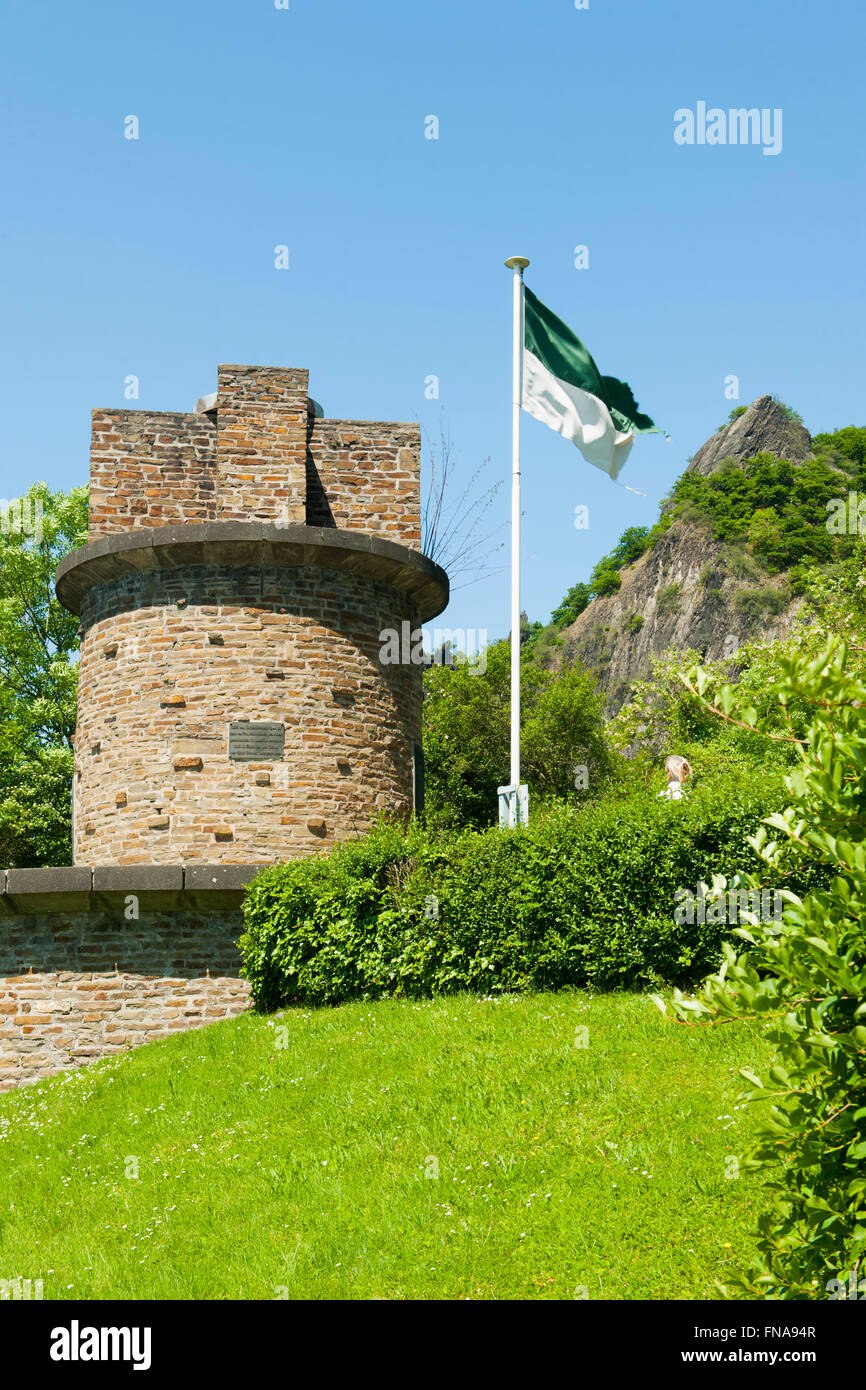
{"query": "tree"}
(35, 800)
(563, 744)
(38, 675)
(467, 736)
(571, 607)
(735, 414)
(764, 529)
(630, 546)
(846, 447)
(605, 578)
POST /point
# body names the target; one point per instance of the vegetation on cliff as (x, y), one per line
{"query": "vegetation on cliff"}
(775, 508)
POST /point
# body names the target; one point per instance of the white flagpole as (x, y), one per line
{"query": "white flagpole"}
(517, 264)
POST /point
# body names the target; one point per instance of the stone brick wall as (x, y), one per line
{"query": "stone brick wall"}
(151, 468)
(78, 986)
(369, 477)
(171, 657)
(262, 443)
(259, 455)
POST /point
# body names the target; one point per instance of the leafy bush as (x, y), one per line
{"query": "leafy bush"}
(807, 975)
(668, 597)
(541, 644)
(789, 411)
(736, 561)
(777, 506)
(846, 448)
(580, 897)
(757, 602)
(735, 414)
(605, 578)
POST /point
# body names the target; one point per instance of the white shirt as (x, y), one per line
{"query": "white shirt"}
(674, 791)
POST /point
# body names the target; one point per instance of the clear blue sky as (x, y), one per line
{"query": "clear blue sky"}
(305, 127)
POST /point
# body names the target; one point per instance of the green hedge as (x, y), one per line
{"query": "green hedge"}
(582, 897)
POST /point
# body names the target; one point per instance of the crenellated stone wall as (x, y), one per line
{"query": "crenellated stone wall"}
(260, 454)
(261, 444)
(151, 468)
(368, 476)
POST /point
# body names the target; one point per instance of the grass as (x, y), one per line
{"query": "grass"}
(296, 1156)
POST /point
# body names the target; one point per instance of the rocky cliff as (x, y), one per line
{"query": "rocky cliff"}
(764, 427)
(691, 591)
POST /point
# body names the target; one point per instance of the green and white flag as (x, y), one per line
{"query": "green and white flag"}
(563, 387)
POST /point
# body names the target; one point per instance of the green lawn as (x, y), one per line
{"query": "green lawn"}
(295, 1156)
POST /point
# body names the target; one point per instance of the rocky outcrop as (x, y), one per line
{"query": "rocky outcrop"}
(764, 428)
(691, 591)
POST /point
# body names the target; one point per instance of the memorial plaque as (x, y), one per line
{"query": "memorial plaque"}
(256, 743)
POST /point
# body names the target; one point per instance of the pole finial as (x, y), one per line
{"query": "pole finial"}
(517, 263)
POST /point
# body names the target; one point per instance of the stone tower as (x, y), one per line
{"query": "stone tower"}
(243, 564)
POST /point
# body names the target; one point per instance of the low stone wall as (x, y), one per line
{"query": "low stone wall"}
(50, 1021)
(86, 972)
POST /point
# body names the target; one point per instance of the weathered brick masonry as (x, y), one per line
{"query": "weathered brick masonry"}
(260, 455)
(242, 565)
(89, 971)
(55, 1020)
(92, 1005)
(172, 657)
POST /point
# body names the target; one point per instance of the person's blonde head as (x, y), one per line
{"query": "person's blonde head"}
(678, 769)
